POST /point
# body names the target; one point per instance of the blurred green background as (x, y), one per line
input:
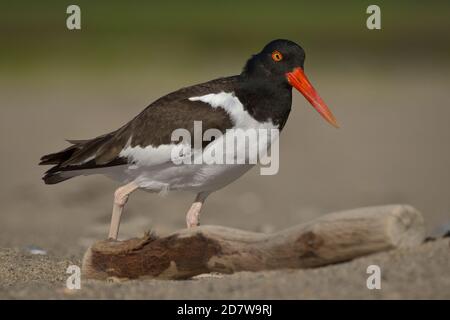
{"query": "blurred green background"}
(128, 33)
(388, 88)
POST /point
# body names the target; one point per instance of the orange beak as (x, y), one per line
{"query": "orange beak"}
(299, 81)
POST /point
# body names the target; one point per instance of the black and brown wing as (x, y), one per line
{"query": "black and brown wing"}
(152, 127)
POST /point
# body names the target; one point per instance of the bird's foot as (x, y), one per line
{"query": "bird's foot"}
(192, 220)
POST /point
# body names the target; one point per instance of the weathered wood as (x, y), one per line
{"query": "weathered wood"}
(332, 238)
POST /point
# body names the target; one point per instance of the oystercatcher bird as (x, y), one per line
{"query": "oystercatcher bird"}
(139, 153)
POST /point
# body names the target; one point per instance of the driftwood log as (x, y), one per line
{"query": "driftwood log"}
(332, 238)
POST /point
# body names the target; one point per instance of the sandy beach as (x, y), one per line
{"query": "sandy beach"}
(420, 273)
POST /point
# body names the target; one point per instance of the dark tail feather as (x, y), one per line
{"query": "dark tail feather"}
(77, 157)
(58, 157)
(53, 175)
(54, 178)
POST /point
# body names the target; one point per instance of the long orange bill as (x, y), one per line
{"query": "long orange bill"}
(299, 81)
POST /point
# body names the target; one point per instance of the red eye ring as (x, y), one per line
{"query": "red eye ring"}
(277, 56)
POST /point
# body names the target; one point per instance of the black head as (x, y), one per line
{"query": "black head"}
(275, 60)
(281, 63)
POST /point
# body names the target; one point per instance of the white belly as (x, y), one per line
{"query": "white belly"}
(193, 177)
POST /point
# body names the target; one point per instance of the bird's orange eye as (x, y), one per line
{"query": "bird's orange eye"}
(277, 56)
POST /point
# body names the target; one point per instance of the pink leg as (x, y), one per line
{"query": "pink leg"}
(120, 199)
(193, 215)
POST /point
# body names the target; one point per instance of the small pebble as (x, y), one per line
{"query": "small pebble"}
(36, 250)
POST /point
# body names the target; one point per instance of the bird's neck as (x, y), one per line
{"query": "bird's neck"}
(265, 100)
